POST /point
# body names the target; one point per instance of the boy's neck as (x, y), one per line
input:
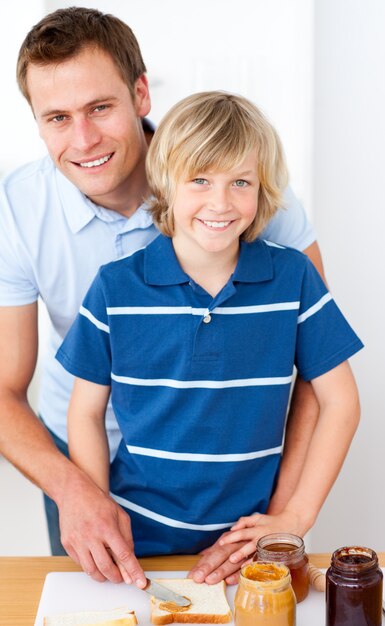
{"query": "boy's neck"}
(211, 270)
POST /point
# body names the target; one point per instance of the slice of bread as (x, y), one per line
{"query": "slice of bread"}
(208, 603)
(114, 617)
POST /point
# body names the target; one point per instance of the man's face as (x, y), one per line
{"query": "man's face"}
(91, 126)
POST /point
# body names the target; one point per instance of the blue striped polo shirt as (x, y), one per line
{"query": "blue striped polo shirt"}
(200, 385)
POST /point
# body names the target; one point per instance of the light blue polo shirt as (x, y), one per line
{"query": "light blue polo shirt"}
(53, 240)
(200, 385)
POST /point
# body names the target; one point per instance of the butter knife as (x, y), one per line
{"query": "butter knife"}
(162, 593)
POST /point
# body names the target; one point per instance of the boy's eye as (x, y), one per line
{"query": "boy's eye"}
(241, 183)
(200, 181)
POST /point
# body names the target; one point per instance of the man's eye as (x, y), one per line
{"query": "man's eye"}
(58, 118)
(200, 181)
(241, 183)
(101, 107)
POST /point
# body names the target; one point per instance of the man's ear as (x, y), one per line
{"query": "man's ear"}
(142, 96)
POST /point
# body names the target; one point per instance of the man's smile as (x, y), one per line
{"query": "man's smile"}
(95, 162)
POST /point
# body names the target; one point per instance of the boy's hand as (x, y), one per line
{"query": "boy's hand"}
(215, 566)
(249, 529)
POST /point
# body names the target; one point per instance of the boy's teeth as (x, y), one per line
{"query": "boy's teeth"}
(216, 224)
(97, 162)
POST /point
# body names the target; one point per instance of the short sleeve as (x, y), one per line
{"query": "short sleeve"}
(16, 280)
(290, 226)
(324, 337)
(85, 351)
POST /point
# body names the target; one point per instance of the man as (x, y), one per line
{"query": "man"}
(60, 219)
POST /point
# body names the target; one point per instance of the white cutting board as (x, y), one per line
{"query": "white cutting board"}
(65, 592)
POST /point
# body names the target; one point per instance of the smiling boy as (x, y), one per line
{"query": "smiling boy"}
(196, 337)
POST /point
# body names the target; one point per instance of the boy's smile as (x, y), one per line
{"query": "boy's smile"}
(213, 209)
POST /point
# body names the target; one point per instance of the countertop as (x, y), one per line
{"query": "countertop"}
(22, 580)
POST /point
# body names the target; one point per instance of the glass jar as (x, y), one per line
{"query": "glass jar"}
(354, 588)
(264, 596)
(290, 550)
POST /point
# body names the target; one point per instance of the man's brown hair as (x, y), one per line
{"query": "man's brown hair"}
(63, 34)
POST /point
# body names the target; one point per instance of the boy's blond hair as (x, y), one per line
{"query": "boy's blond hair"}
(214, 130)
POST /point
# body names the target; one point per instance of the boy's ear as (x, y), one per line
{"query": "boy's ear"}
(142, 97)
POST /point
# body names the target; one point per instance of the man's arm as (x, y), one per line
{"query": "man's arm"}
(301, 422)
(85, 511)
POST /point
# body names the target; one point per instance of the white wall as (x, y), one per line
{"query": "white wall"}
(277, 55)
(349, 210)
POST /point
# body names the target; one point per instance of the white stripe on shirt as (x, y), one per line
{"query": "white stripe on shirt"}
(209, 458)
(315, 308)
(187, 310)
(168, 521)
(202, 384)
(93, 319)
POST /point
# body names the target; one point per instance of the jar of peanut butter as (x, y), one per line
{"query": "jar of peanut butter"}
(290, 550)
(264, 596)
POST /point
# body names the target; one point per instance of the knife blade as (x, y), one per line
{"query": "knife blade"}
(163, 593)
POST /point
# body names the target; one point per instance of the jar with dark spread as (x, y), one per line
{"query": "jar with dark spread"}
(354, 588)
(290, 550)
(264, 596)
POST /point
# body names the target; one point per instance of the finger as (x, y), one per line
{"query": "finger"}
(243, 553)
(213, 558)
(105, 563)
(89, 566)
(224, 571)
(122, 547)
(247, 522)
(233, 579)
(245, 535)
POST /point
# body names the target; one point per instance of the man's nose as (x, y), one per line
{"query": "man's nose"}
(86, 135)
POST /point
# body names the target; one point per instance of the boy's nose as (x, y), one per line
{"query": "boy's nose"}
(219, 200)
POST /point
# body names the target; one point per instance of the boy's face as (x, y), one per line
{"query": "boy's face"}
(213, 209)
(90, 124)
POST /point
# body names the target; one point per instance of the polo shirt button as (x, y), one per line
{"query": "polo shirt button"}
(207, 319)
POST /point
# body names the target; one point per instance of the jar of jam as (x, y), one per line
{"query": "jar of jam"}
(290, 550)
(354, 588)
(264, 596)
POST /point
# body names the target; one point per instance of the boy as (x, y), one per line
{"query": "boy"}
(196, 338)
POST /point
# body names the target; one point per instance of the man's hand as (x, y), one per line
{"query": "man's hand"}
(96, 533)
(215, 566)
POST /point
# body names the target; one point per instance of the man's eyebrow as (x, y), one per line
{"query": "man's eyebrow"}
(88, 105)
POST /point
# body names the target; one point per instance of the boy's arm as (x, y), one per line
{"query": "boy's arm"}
(301, 422)
(337, 395)
(87, 437)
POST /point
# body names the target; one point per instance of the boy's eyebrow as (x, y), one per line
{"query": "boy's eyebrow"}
(92, 103)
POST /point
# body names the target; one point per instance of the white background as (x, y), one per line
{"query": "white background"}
(316, 68)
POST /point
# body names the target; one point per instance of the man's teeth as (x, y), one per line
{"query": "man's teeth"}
(216, 224)
(96, 162)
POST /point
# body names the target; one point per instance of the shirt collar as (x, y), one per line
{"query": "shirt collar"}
(162, 268)
(80, 210)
